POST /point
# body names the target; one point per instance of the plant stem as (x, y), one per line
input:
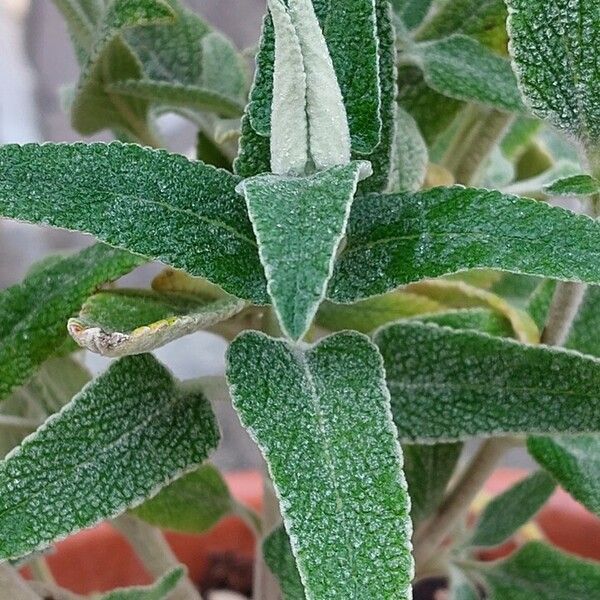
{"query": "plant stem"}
(265, 585)
(563, 310)
(13, 586)
(155, 554)
(458, 501)
(41, 571)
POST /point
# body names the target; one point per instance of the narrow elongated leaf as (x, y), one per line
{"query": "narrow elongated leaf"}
(449, 385)
(577, 185)
(321, 417)
(555, 65)
(477, 319)
(82, 17)
(544, 573)
(121, 322)
(428, 469)
(119, 441)
(462, 68)
(193, 504)
(412, 236)
(160, 205)
(35, 312)
(159, 590)
(299, 224)
(280, 559)
(510, 510)
(52, 386)
(575, 463)
(410, 155)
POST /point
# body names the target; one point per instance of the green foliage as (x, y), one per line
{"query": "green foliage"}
(35, 312)
(193, 217)
(279, 558)
(411, 236)
(159, 590)
(131, 415)
(577, 185)
(321, 418)
(449, 385)
(512, 509)
(121, 322)
(410, 155)
(285, 212)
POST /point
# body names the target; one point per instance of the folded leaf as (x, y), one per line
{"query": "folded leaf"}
(159, 590)
(555, 66)
(120, 440)
(509, 511)
(192, 504)
(280, 559)
(541, 572)
(121, 322)
(575, 463)
(412, 236)
(450, 385)
(28, 406)
(462, 68)
(428, 469)
(321, 418)
(410, 155)
(35, 312)
(160, 205)
(577, 185)
(299, 223)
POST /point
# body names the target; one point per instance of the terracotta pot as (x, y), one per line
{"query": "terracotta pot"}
(100, 559)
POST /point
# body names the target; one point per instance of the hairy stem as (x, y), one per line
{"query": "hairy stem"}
(155, 554)
(563, 310)
(457, 502)
(13, 586)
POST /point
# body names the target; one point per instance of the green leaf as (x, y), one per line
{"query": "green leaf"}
(411, 12)
(411, 156)
(299, 223)
(412, 236)
(428, 469)
(174, 94)
(109, 60)
(577, 185)
(509, 511)
(463, 68)
(575, 463)
(539, 302)
(194, 503)
(367, 315)
(159, 590)
(121, 322)
(321, 418)
(449, 385)
(160, 205)
(28, 406)
(555, 66)
(583, 335)
(120, 440)
(82, 17)
(277, 551)
(35, 312)
(544, 573)
(478, 319)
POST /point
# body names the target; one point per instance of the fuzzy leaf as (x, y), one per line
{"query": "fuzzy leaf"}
(449, 385)
(160, 205)
(82, 17)
(159, 590)
(555, 65)
(120, 440)
(477, 319)
(411, 12)
(583, 335)
(577, 185)
(428, 469)
(462, 68)
(575, 463)
(280, 559)
(544, 573)
(410, 155)
(413, 236)
(321, 418)
(509, 511)
(193, 504)
(35, 312)
(28, 406)
(299, 223)
(121, 322)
